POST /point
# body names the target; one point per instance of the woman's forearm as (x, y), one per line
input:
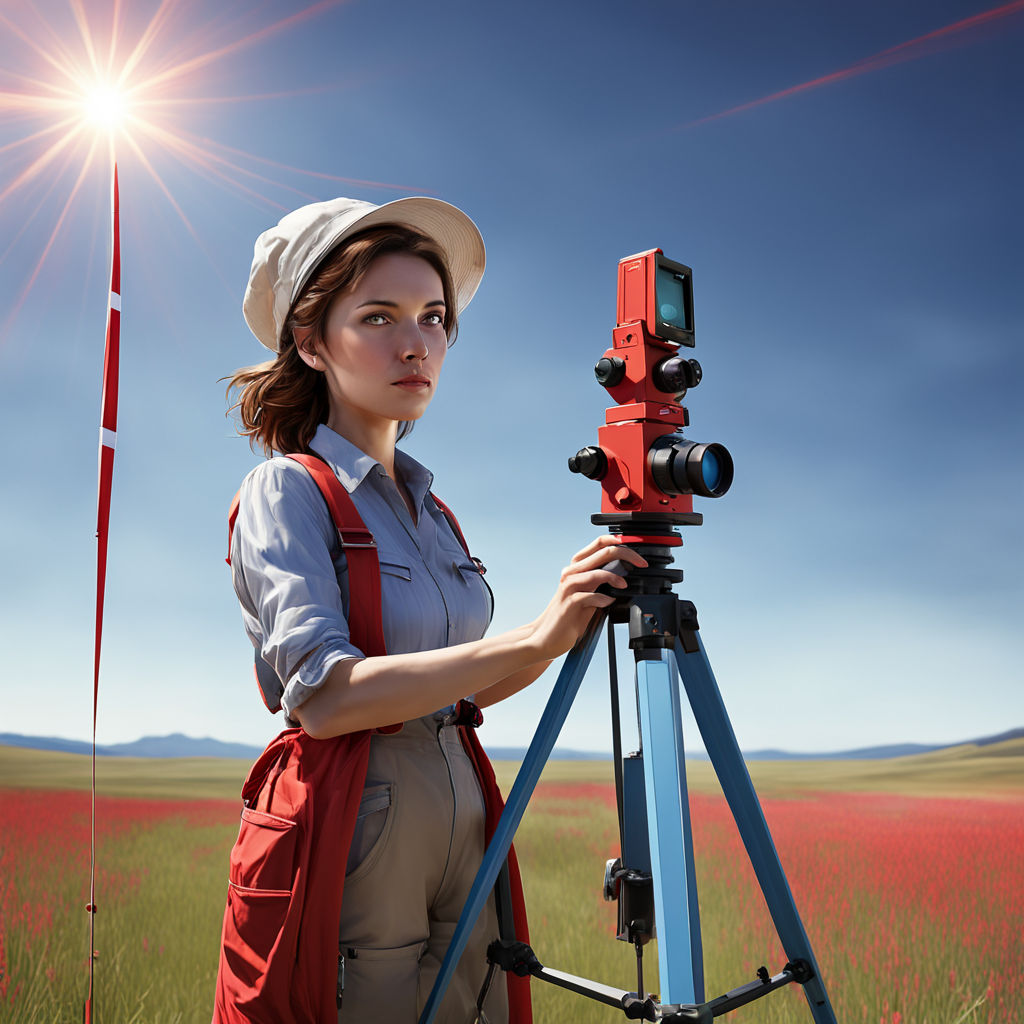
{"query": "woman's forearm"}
(510, 685)
(370, 693)
(374, 692)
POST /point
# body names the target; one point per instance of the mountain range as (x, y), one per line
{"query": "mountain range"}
(179, 745)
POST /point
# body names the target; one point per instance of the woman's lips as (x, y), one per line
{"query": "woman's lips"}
(414, 383)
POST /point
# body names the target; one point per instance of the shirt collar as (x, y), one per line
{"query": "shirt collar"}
(417, 478)
(352, 465)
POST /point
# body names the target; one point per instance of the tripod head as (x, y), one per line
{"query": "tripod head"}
(648, 470)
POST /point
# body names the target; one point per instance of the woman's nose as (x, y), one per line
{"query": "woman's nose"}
(414, 343)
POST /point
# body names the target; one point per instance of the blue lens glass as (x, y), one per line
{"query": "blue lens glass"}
(711, 470)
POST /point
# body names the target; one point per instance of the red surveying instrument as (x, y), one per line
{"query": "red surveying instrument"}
(649, 473)
(645, 465)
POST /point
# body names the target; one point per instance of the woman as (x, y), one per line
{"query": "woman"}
(360, 304)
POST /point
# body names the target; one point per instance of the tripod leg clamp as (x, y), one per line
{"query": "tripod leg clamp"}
(514, 956)
(688, 626)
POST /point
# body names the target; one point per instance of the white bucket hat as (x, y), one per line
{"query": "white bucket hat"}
(286, 255)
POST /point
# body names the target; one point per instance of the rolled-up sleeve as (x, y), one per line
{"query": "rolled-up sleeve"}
(292, 591)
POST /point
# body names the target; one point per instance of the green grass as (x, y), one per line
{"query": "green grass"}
(156, 938)
(172, 778)
(969, 770)
(966, 770)
(162, 872)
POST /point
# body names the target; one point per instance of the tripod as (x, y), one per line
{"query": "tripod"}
(654, 881)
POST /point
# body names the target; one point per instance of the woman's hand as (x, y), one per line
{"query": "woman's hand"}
(562, 623)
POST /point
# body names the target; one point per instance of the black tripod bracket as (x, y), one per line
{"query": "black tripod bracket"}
(514, 956)
(657, 620)
(796, 971)
(519, 958)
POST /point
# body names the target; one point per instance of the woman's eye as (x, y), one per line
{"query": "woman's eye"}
(435, 319)
(377, 318)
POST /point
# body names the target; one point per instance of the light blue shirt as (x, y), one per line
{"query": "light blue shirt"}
(291, 575)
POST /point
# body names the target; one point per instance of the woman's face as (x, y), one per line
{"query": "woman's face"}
(384, 343)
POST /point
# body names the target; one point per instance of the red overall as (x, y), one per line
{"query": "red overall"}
(279, 947)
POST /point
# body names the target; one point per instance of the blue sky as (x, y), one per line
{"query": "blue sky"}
(858, 312)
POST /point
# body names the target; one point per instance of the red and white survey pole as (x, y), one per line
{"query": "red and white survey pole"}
(108, 437)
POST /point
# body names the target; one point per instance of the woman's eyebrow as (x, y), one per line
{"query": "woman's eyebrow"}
(394, 305)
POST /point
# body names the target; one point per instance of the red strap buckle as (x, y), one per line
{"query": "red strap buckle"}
(356, 537)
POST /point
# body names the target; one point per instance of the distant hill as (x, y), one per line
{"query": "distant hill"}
(859, 754)
(1011, 734)
(768, 754)
(175, 745)
(179, 745)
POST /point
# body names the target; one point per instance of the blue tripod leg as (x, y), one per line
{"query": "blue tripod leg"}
(555, 712)
(723, 749)
(680, 954)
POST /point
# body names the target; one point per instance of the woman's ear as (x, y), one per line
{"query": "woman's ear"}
(303, 337)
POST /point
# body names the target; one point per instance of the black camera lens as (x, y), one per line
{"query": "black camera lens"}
(610, 372)
(675, 375)
(681, 466)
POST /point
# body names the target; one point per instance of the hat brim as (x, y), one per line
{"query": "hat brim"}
(456, 234)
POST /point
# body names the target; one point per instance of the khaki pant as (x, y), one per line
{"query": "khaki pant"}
(418, 844)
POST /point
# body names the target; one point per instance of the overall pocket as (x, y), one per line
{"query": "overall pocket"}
(373, 826)
(381, 984)
(260, 880)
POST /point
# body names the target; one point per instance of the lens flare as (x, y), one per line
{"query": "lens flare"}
(74, 95)
(911, 49)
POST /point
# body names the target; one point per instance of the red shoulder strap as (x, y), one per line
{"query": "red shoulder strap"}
(364, 625)
(452, 522)
(232, 516)
(457, 530)
(364, 621)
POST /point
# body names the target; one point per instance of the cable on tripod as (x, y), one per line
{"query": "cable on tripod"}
(613, 677)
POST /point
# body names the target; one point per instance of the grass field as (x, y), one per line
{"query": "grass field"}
(908, 874)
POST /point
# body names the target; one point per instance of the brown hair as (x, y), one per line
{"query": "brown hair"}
(281, 402)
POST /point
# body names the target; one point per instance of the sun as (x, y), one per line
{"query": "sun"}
(106, 106)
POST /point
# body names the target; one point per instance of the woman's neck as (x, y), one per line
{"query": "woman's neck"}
(376, 438)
